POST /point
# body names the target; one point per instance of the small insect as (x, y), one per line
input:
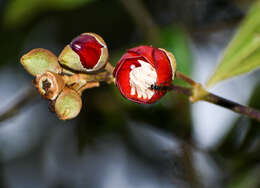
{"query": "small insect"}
(159, 87)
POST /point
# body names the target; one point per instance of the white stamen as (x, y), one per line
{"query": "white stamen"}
(132, 91)
(141, 79)
(132, 67)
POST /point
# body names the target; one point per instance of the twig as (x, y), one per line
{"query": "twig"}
(220, 101)
(109, 68)
(88, 86)
(185, 78)
(13, 109)
(250, 112)
(181, 90)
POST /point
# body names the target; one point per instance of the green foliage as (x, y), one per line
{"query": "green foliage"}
(235, 142)
(243, 53)
(20, 11)
(175, 40)
(239, 149)
(246, 179)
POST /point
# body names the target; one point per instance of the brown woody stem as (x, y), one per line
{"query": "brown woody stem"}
(185, 78)
(81, 81)
(88, 86)
(109, 68)
(181, 90)
(83, 78)
(220, 101)
(248, 111)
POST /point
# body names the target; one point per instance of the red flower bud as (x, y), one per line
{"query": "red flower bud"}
(141, 71)
(87, 53)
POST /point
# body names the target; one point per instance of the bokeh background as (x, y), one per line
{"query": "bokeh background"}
(115, 143)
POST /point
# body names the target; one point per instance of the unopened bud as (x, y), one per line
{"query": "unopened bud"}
(68, 104)
(39, 61)
(86, 53)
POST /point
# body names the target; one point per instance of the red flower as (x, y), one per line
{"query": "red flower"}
(141, 70)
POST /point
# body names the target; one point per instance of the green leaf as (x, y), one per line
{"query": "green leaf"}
(243, 53)
(175, 40)
(247, 178)
(254, 132)
(66, 4)
(18, 12)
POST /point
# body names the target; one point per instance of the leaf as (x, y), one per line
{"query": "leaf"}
(244, 133)
(66, 4)
(243, 53)
(18, 12)
(254, 132)
(175, 40)
(247, 178)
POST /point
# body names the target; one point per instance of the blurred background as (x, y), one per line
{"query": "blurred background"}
(113, 142)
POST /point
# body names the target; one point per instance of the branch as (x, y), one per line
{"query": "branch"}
(248, 111)
(185, 78)
(220, 101)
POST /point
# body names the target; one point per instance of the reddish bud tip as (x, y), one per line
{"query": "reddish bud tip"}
(88, 49)
(91, 49)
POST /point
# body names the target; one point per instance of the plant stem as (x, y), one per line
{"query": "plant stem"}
(248, 111)
(84, 78)
(109, 68)
(220, 101)
(185, 78)
(181, 90)
(88, 86)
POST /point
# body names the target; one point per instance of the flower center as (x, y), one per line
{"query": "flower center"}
(141, 79)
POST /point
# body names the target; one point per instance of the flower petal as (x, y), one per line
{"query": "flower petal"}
(163, 67)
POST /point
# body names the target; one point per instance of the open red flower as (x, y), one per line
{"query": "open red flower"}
(141, 70)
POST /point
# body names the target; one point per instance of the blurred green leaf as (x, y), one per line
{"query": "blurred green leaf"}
(175, 40)
(66, 4)
(18, 12)
(249, 178)
(230, 145)
(239, 148)
(243, 53)
(244, 133)
(252, 140)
